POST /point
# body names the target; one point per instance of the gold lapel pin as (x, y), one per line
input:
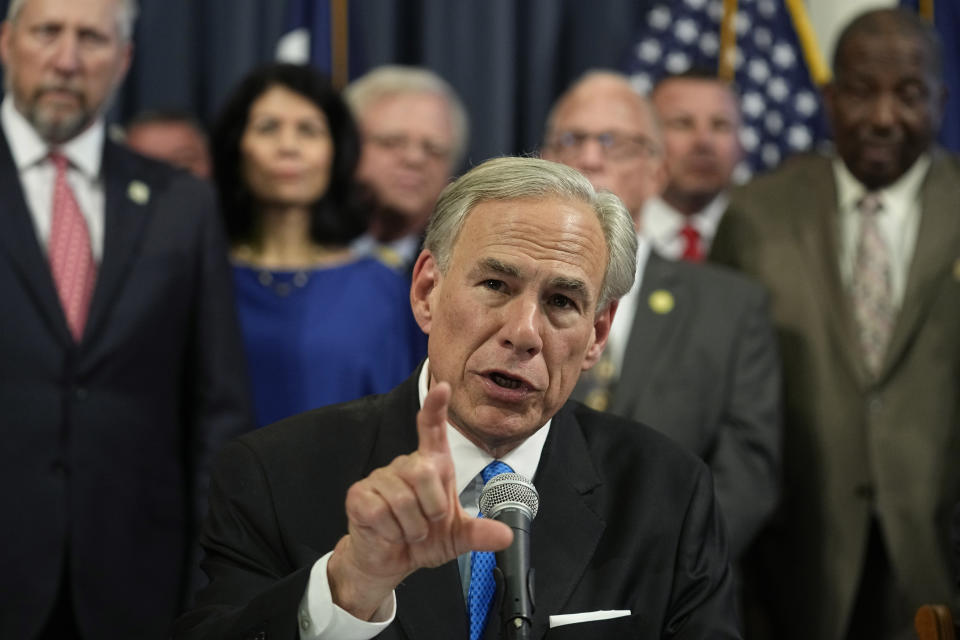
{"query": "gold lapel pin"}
(661, 301)
(139, 192)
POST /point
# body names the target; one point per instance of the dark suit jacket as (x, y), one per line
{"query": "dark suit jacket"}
(106, 444)
(706, 373)
(627, 520)
(855, 447)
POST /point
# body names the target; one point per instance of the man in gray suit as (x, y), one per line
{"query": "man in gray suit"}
(860, 250)
(692, 350)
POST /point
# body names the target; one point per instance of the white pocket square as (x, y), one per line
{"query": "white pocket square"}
(586, 616)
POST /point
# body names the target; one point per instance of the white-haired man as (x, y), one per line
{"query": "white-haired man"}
(517, 286)
(692, 351)
(122, 369)
(415, 130)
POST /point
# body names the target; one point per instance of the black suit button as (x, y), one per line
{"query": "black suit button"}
(864, 491)
(59, 468)
(81, 393)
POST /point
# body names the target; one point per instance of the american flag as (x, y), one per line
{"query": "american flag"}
(782, 112)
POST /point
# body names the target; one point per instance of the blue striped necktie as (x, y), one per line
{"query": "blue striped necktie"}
(482, 585)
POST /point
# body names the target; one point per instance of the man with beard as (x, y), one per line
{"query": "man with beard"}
(860, 250)
(121, 370)
(700, 118)
(414, 130)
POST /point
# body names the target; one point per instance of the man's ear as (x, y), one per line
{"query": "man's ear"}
(601, 331)
(426, 275)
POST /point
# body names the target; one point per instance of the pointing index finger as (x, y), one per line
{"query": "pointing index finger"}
(432, 421)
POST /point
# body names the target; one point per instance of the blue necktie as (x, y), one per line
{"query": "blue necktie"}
(482, 585)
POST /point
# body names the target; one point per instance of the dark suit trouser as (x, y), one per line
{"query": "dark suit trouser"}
(880, 611)
(62, 623)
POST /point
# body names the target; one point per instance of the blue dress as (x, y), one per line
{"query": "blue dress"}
(327, 335)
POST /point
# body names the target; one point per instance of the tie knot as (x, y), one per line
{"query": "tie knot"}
(870, 204)
(690, 233)
(59, 160)
(495, 468)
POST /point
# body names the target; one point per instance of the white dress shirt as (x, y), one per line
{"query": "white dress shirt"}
(623, 320)
(898, 220)
(662, 224)
(37, 174)
(321, 619)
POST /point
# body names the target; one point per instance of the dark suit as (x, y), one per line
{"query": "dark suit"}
(856, 448)
(705, 372)
(106, 444)
(627, 521)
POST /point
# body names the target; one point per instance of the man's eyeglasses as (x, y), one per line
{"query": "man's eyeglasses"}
(615, 146)
(401, 142)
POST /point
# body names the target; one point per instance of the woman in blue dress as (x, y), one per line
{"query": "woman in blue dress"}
(320, 324)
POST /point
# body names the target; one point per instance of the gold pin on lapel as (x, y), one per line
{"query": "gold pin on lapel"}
(139, 192)
(956, 269)
(661, 301)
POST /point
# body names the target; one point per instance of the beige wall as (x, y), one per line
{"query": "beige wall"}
(829, 17)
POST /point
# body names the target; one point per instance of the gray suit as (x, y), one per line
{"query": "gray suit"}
(855, 448)
(706, 373)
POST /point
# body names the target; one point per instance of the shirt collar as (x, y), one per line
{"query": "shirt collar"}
(469, 460)
(897, 196)
(660, 220)
(84, 151)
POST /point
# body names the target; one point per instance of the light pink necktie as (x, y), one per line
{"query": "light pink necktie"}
(872, 291)
(71, 259)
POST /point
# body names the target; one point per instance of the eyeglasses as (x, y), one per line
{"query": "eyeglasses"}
(401, 142)
(615, 146)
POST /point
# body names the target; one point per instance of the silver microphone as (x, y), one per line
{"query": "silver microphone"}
(512, 499)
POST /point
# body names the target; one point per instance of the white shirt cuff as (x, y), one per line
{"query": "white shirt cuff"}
(321, 619)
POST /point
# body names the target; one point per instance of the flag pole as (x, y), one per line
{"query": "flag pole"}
(728, 42)
(339, 43)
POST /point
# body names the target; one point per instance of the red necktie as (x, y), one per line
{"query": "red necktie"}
(691, 246)
(71, 259)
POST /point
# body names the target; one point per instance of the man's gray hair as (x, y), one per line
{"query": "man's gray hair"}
(127, 11)
(522, 178)
(390, 80)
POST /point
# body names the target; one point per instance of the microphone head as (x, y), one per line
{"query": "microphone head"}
(509, 490)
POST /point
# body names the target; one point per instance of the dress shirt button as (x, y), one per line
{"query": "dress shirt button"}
(305, 621)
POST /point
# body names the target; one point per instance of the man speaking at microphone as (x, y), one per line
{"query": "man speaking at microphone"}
(517, 287)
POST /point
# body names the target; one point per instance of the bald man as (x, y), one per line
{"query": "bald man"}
(692, 350)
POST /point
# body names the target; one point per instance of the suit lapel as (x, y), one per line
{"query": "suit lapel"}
(819, 231)
(567, 528)
(19, 240)
(430, 601)
(938, 237)
(565, 532)
(651, 328)
(127, 209)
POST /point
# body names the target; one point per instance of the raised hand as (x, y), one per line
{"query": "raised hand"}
(406, 516)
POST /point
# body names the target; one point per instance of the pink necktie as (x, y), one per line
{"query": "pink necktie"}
(691, 247)
(872, 291)
(71, 259)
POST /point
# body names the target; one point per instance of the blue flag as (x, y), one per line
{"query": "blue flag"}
(320, 32)
(946, 18)
(781, 106)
